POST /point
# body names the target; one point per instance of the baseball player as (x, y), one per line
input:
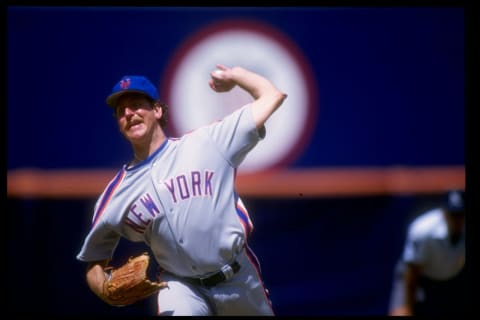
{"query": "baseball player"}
(430, 277)
(177, 195)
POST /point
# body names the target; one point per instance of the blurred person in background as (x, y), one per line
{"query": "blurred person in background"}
(430, 277)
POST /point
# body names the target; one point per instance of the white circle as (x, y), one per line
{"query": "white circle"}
(194, 104)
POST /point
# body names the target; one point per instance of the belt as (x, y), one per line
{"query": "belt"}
(225, 273)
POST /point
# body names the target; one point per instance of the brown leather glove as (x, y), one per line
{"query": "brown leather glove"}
(129, 283)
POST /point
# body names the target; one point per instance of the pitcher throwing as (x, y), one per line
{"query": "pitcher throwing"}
(177, 196)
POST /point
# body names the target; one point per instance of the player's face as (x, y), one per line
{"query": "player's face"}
(136, 116)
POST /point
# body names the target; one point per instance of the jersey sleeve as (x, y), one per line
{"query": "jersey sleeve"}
(414, 249)
(236, 134)
(99, 244)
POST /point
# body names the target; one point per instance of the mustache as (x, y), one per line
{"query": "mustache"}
(133, 121)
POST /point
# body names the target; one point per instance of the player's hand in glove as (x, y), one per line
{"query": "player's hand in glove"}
(129, 283)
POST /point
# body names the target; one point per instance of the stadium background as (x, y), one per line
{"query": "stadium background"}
(390, 86)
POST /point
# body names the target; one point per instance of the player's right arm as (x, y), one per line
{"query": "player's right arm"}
(267, 98)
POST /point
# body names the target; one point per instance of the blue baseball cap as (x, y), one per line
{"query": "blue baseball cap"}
(138, 84)
(456, 201)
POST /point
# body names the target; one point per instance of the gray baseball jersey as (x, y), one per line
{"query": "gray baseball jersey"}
(180, 200)
(428, 244)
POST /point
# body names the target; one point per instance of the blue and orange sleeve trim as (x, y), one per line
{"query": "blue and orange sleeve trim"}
(109, 191)
(243, 216)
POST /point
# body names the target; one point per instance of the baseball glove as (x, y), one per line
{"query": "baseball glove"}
(129, 283)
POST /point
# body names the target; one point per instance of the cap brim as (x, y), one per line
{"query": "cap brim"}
(112, 99)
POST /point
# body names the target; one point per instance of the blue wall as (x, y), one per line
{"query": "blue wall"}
(390, 81)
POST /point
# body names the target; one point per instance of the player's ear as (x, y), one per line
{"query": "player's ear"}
(157, 109)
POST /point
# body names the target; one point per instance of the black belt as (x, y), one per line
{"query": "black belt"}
(225, 273)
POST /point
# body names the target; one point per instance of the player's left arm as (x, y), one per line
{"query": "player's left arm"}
(267, 98)
(96, 277)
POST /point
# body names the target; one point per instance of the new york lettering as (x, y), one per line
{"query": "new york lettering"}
(194, 184)
(141, 213)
